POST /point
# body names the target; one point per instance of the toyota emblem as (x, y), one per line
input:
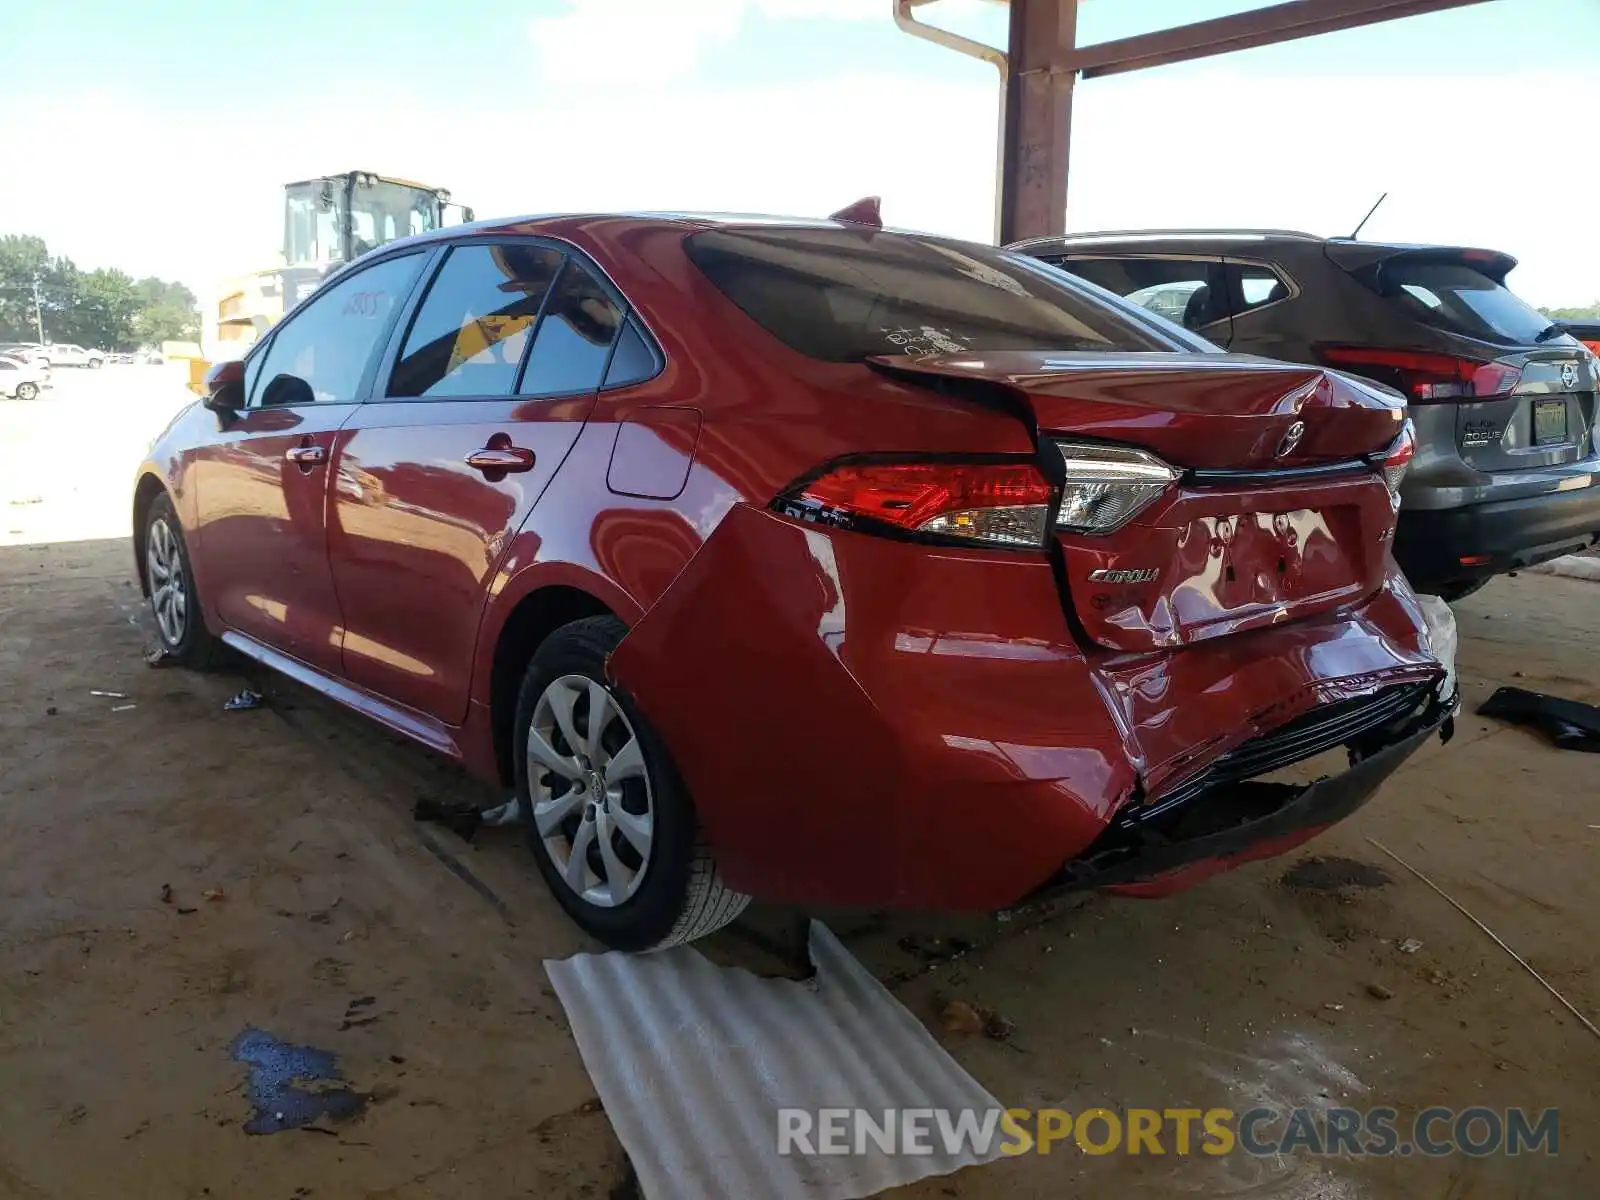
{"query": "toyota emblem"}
(1569, 376)
(1291, 439)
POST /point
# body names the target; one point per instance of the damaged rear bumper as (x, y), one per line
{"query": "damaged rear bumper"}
(1170, 848)
(871, 723)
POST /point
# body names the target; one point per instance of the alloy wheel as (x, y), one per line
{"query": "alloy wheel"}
(592, 802)
(169, 598)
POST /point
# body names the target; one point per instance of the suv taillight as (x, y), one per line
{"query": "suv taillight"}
(1425, 378)
(997, 504)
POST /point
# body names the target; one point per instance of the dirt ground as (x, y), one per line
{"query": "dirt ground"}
(173, 876)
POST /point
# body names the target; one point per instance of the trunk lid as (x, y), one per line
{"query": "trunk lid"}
(1201, 411)
(1276, 514)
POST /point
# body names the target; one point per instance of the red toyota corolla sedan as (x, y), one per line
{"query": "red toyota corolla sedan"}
(805, 561)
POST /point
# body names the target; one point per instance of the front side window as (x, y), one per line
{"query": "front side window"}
(574, 340)
(1187, 291)
(320, 353)
(470, 332)
(843, 295)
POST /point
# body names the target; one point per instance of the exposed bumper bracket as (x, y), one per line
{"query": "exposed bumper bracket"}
(1232, 819)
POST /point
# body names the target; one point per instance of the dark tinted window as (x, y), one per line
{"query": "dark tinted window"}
(471, 330)
(574, 338)
(845, 294)
(320, 353)
(633, 361)
(1187, 291)
(1460, 298)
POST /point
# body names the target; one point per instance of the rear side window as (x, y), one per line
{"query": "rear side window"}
(633, 361)
(470, 333)
(574, 339)
(1462, 299)
(842, 295)
(1258, 286)
(1187, 291)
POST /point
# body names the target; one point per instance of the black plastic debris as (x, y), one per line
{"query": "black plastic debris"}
(276, 1068)
(1571, 724)
(461, 820)
(242, 700)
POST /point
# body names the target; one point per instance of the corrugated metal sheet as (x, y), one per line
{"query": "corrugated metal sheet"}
(693, 1061)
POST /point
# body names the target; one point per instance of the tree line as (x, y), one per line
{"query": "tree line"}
(1584, 312)
(105, 309)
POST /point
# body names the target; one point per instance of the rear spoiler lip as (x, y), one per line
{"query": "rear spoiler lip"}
(1358, 256)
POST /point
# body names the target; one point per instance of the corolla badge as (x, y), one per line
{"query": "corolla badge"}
(1291, 439)
(1147, 575)
(1569, 376)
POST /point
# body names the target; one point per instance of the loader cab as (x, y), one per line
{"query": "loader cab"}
(338, 218)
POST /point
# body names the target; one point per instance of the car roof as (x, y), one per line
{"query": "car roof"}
(1231, 238)
(561, 224)
(1156, 236)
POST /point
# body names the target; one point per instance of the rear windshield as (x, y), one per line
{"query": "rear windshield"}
(1462, 299)
(842, 295)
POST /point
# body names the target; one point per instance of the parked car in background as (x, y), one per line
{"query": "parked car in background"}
(1502, 398)
(1587, 332)
(66, 354)
(22, 379)
(805, 560)
(27, 351)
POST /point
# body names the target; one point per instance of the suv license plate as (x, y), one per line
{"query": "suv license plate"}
(1549, 422)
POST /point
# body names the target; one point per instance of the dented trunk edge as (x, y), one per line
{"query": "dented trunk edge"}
(872, 723)
(1147, 859)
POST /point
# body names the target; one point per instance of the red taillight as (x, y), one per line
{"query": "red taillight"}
(1593, 345)
(1422, 376)
(1398, 459)
(1006, 504)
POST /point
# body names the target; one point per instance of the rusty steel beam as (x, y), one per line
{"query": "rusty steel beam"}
(1259, 27)
(1043, 62)
(1037, 122)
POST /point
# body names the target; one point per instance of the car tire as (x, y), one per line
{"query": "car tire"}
(27, 391)
(174, 598)
(659, 885)
(96, 363)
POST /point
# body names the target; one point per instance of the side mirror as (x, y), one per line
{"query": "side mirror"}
(224, 388)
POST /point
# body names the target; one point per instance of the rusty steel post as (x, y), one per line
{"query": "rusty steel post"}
(1038, 119)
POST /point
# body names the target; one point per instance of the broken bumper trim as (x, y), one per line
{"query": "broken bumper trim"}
(1231, 820)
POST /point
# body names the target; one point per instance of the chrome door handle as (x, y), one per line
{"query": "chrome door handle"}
(306, 456)
(510, 459)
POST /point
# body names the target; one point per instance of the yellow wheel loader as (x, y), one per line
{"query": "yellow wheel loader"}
(327, 221)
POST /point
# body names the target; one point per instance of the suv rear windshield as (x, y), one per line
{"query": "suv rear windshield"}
(1462, 299)
(842, 295)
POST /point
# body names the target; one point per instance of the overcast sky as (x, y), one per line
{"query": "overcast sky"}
(156, 136)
